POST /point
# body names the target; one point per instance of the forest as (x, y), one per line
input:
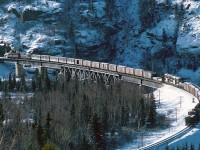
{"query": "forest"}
(74, 114)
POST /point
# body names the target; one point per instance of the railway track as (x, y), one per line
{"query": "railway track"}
(167, 140)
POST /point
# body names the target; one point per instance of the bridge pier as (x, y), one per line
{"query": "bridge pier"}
(18, 69)
(42, 70)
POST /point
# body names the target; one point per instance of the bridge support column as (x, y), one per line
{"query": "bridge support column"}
(18, 69)
(42, 70)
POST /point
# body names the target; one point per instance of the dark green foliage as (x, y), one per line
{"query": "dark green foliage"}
(1, 114)
(191, 147)
(147, 13)
(86, 145)
(97, 133)
(152, 117)
(47, 127)
(164, 37)
(23, 83)
(1, 84)
(72, 110)
(142, 112)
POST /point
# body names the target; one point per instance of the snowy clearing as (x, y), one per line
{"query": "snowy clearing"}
(175, 104)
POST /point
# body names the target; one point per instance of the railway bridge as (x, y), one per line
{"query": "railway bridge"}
(80, 71)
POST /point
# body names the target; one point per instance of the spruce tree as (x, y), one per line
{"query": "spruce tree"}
(0, 84)
(10, 85)
(142, 112)
(99, 140)
(191, 147)
(14, 82)
(1, 114)
(152, 117)
(47, 127)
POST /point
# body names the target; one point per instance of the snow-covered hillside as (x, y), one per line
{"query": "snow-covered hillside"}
(105, 30)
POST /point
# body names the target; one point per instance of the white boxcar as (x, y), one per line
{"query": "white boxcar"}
(121, 69)
(36, 57)
(112, 67)
(54, 58)
(70, 60)
(129, 70)
(44, 57)
(191, 89)
(147, 74)
(196, 92)
(95, 64)
(198, 95)
(78, 61)
(62, 60)
(104, 66)
(186, 86)
(139, 72)
(87, 63)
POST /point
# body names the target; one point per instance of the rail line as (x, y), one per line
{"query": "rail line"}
(167, 140)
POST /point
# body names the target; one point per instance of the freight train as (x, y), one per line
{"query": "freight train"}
(193, 116)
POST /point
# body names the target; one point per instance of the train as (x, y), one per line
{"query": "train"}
(140, 73)
(191, 119)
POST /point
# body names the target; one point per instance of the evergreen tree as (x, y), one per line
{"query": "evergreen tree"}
(39, 131)
(72, 111)
(47, 82)
(86, 145)
(23, 83)
(199, 147)
(147, 13)
(33, 85)
(142, 112)
(164, 37)
(105, 117)
(1, 114)
(10, 85)
(166, 147)
(98, 136)
(47, 126)
(14, 82)
(0, 84)
(167, 4)
(86, 110)
(191, 147)
(152, 117)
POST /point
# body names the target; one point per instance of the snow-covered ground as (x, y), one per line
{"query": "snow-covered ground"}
(175, 104)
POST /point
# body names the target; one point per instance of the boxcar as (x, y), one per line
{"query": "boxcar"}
(112, 67)
(147, 74)
(95, 64)
(35, 57)
(78, 61)
(70, 60)
(87, 63)
(139, 72)
(45, 58)
(191, 89)
(62, 60)
(121, 69)
(54, 58)
(129, 70)
(104, 66)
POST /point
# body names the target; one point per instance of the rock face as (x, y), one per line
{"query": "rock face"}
(189, 32)
(31, 14)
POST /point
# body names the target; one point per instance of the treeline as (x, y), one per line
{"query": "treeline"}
(184, 146)
(73, 114)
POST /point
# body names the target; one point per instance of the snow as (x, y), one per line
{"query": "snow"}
(190, 75)
(189, 33)
(175, 103)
